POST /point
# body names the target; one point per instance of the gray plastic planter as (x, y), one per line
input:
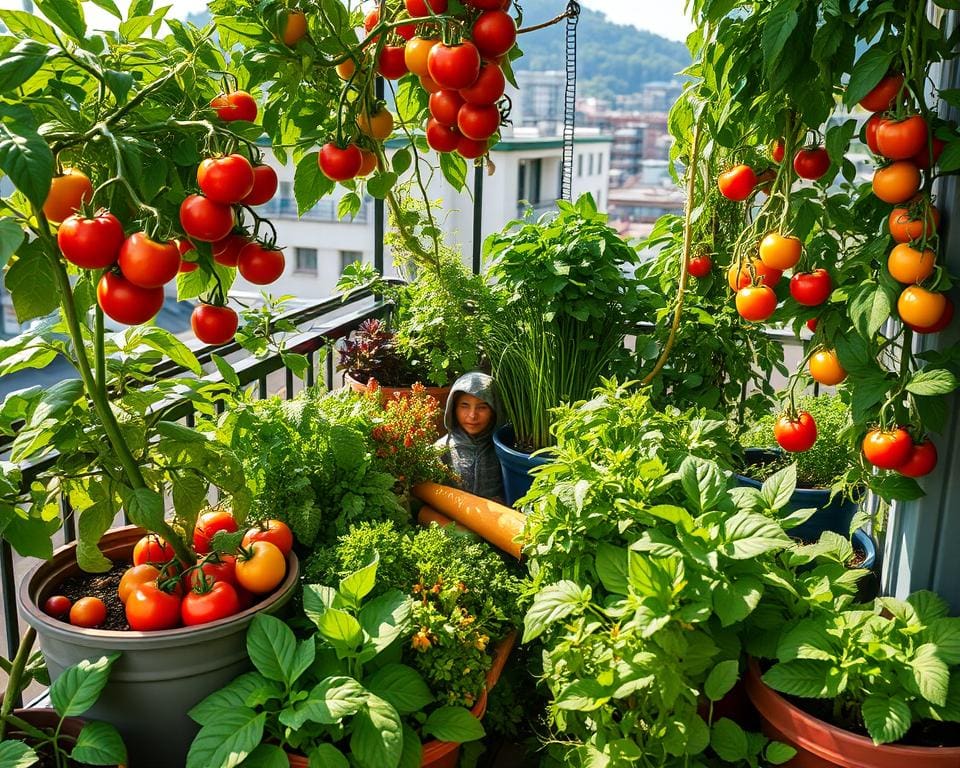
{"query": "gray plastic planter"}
(160, 675)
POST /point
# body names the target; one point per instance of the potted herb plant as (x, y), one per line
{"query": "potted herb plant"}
(566, 298)
(867, 688)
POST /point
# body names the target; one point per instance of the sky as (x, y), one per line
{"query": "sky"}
(663, 17)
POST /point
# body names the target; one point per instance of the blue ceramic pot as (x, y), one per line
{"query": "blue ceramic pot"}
(833, 515)
(514, 464)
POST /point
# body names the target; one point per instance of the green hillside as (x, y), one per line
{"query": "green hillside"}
(611, 58)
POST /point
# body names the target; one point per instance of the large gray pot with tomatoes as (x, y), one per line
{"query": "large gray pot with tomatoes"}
(160, 675)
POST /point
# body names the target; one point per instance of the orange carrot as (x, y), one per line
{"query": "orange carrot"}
(499, 525)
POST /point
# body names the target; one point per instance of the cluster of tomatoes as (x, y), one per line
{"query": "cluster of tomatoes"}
(138, 266)
(157, 593)
(463, 76)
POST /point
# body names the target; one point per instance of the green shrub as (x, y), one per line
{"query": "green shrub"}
(829, 458)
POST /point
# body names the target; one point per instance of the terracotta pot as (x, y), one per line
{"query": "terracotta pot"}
(47, 719)
(441, 394)
(159, 675)
(821, 745)
(446, 754)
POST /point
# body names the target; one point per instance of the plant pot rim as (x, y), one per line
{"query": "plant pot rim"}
(503, 439)
(828, 741)
(775, 451)
(119, 639)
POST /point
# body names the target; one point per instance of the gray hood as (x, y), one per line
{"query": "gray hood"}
(474, 459)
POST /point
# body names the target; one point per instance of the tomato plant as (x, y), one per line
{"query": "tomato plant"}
(756, 302)
(825, 368)
(152, 549)
(478, 121)
(227, 251)
(811, 163)
(921, 461)
(415, 54)
(444, 106)
(454, 66)
(811, 289)
(897, 182)
(780, 252)
(902, 139)
(378, 125)
(494, 33)
(204, 220)
(441, 137)
(294, 27)
(488, 87)
(235, 105)
(214, 568)
(340, 163)
(260, 567)
(91, 243)
(126, 302)
(919, 221)
(737, 183)
(883, 94)
(795, 434)
(265, 183)
(700, 266)
(921, 307)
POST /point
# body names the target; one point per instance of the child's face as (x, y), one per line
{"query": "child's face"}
(473, 414)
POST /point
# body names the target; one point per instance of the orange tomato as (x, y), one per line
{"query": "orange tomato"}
(134, 577)
(294, 27)
(741, 278)
(780, 251)
(260, 567)
(920, 307)
(908, 265)
(415, 54)
(913, 223)
(345, 69)
(429, 84)
(756, 302)
(377, 126)
(67, 193)
(897, 182)
(825, 367)
(369, 164)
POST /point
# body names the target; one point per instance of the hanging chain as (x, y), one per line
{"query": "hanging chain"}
(570, 101)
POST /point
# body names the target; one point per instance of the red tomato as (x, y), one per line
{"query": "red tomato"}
(207, 526)
(454, 66)
(406, 31)
(902, 139)
(134, 577)
(57, 606)
(91, 243)
(276, 532)
(930, 152)
(870, 132)
(236, 105)
(812, 324)
(218, 602)
(370, 163)
(470, 149)
(488, 88)
(147, 263)
(884, 94)
(67, 193)
(888, 449)
(88, 612)
(700, 266)
(149, 608)
(221, 568)
(260, 265)
(214, 325)
(417, 8)
(265, 185)
(429, 84)
(494, 33)
(478, 121)
(795, 435)
(392, 64)
(371, 20)
(756, 302)
(737, 183)
(811, 288)
(125, 302)
(152, 549)
(777, 150)
(340, 164)
(205, 220)
(442, 138)
(225, 180)
(921, 461)
(261, 567)
(444, 106)
(227, 251)
(811, 163)
(938, 326)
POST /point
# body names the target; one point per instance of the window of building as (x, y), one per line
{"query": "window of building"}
(305, 260)
(590, 165)
(599, 162)
(349, 257)
(579, 166)
(528, 180)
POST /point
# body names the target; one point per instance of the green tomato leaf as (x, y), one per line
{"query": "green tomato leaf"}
(932, 382)
(30, 279)
(16, 754)
(272, 647)
(402, 686)
(552, 604)
(328, 702)
(226, 742)
(357, 585)
(867, 73)
(453, 724)
(377, 739)
(721, 679)
(729, 740)
(99, 743)
(76, 690)
(309, 183)
(777, 753)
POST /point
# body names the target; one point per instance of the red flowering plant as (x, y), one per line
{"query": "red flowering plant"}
(405, 435)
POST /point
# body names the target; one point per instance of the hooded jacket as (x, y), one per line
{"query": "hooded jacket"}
(473, 458)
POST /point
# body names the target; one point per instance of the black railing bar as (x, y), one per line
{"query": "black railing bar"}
(328, 368)
(311, 361)
(69, 521)
(7, 582)
(288, 384)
